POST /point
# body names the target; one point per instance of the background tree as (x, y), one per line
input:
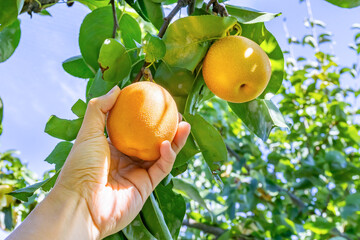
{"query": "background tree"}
(14, 175)
(297, 184)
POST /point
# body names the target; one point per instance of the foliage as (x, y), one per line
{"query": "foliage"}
(304, 183)
(13, 175)
(298, 184)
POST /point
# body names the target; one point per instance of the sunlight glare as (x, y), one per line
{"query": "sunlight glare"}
(248, 52)
(253, 68)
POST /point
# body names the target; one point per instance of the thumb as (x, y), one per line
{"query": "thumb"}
(94, 119)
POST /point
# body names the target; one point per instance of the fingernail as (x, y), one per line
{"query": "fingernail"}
(112, 90)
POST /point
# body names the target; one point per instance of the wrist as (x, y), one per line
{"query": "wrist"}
(73, 209)
(63, 214)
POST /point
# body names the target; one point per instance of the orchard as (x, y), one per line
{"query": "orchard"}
(274, 146)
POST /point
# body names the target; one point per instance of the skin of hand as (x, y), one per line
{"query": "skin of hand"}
(99, 190)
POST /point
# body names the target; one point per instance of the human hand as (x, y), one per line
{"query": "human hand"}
(114, 186)
(99, 190)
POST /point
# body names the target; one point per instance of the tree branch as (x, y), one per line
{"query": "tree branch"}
(217, 231)
(217, 8)
(295, 199)
(180, 4)
(34, 6)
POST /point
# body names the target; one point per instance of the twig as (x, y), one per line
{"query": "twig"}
(180, 4)
(295, 199)
(116, 24)
(311, 19)
(291, 50)
(217, 8)
(36, 6)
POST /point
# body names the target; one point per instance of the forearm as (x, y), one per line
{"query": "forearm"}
(61, 215)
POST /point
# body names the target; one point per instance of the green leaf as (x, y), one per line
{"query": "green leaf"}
(98, 25)
(248, 15)
(24, 194)
(178, 170)
(188, 151)
(353, 199)
(50, 182)
(185, 47)
(153, 11)
(116, 236)
(303, 184)
(8, 220)
(154, 219)
(114, 61)
(225, 236)
(209, 140)
(352, 205)
(95, 28)
(79, 108)
(88, 86)
(137, 230)
(259, 34)
(99, 86)
(136, 6)
(353, 133)
(199, 93)
(310, 40)
(9, 40)
(136, 68)
(349, 70)
(93, 4)
(154, 48)
(9, 10)
(77, 67)
(345, 3)
(59, 154)
(260, 116)
(45, 12)
(320, 226)
(189, 190)
(63, 128)
(178, 81)
(336, 159)
(173, 207)
(130, 31)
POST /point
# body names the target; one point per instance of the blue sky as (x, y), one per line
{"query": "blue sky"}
(34, 86)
